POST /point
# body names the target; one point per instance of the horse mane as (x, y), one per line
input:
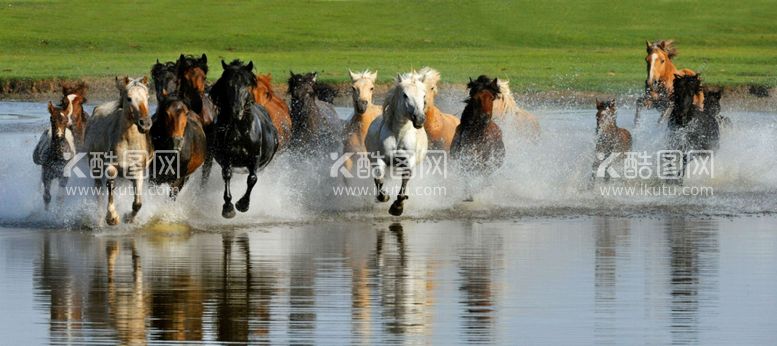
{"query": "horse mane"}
(665, 45)
(190, 61)
(235, 68)
(431, 76)
(325, 92)
(479, 84)
(79, 88)
(366, 74)
(160, 68)
(265, 80)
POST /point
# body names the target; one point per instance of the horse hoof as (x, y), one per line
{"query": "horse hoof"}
(228, 211)
(383, 198)
(469, 199)
(112, 220)
(129, 218)
(396, 208)
(242, 205)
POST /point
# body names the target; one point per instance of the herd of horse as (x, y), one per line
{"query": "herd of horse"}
(241, 123)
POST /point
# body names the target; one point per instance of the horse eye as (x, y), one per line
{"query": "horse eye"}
(129, 99)
(371, 89)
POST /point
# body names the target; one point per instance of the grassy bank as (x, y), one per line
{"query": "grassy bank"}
(548, 45)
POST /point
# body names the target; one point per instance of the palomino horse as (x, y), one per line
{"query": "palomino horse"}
(74, 98)
(314, 123)
(119, 131)
(507, 113)
(478, 146)
(276, 106)
(440, 127)
(55, 147)
(397, 138)
(609, 137)
(660, 78)
(244, 133)
(165, 77)
(177, 130)
(364, 112)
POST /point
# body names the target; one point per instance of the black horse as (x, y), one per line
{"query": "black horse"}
(315, 126)
(690, 127)
(165, 76)
(243, 132)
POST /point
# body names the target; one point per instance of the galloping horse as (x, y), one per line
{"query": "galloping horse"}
(74, 98)
(314, 123)
(276, 106)
(364, 112)
(165, 77)
(397, 137)
(55, 147)
(507, 113)
(119, 130)
(244, 133)
(440, 127)
(178, 129)
(690, 126)
(609, 137)
(478, 144)
(661, 73)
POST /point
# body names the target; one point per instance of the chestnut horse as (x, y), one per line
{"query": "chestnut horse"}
(478, 146)
(660, 78)
(507, 113)
(55, 147)
(609, 137)
(276, 106)
(177, 130)
(74, 97)
(440, 127)
(119, 130)
(364, 112)
(244, 133)
(397, 138)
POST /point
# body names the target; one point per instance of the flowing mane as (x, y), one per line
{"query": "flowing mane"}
(507, 104)
(366, 74)
(234, 73)
(665, 45)
(79, 88)
(430, 75)
(190, 61)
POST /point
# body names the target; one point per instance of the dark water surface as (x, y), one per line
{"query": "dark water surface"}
(586, 280)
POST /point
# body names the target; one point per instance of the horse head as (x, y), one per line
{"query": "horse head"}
(165, 79)
(687, 90)
(193, 71)
(173, 117)
(482, 93)
(302, 87)
(60, 120)
(134, 101)
(659, 64)
(431, 77)
(408, 99)
(605, 113)
(233, 92)
(362, 88)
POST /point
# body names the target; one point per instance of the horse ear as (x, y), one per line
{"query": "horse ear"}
(353, 75)
(145, 80)
(204, 58)
(250, 66)
(315, 76)
(399, 77)
(612, 102)
(374, 76)
(291, 74)
(647, 44)
(223, 64)
(182, 57)
(157, 61)
(51, 108)
(495, 84)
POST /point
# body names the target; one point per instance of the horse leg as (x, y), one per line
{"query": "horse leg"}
(46, 188)
(665, 114)
(227, 210)
(379, 171)
(243, 202)
(640, 103)
(137, 203)
(111, 217)
(398, 206)
(206, 167)
(61, 192)
(176, 186)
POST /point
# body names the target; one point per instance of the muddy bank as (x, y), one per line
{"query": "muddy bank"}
(750, 98)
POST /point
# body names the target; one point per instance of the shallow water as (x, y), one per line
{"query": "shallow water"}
(537, 258)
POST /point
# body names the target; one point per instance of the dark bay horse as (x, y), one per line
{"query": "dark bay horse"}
(276, 106)
(609, 137)
(55, 147)
(477, 145)
(74, 98)
(690, 126)
(177, 131)
(315, 126)
(165, 77)
(244, 134)
(660, 78)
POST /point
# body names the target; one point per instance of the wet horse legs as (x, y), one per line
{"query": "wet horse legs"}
(243, 202)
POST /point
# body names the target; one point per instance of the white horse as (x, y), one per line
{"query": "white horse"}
(507, 113)
(397, 138)
(118, 133)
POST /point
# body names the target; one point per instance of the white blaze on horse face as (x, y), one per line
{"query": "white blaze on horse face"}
(651, 75)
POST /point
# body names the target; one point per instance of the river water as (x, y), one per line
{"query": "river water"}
(538, 258)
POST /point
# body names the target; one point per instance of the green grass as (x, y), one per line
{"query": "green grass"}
(538, 45)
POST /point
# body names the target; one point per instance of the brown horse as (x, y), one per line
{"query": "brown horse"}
(478, 146)
(177, 131)
(609, 137)
(74, 95)
(507, 112)
(55, 147)
(364, 112)
(275, 106)
(660, 78)
(440, 127)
